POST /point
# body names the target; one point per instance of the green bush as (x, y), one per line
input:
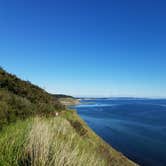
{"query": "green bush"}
(45, 109)
(3, 113)
(13, 107)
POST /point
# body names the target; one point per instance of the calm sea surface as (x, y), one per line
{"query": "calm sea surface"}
(135, 127)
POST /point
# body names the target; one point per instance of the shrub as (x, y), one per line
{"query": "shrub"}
(79, 128)
(45, 109)
(13, 107)
(3, 113)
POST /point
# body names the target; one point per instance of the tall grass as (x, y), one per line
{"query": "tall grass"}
(42, 141)
(46, 142)
(54, 142)
(12, 142)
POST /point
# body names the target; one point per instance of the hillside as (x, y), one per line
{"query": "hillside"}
(32, 134)
(20, 99)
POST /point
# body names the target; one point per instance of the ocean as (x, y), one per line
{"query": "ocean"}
(135, 127)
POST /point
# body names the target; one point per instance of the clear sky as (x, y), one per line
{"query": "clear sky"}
(86, 47)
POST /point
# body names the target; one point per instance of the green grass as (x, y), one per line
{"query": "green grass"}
(46, 142)
(12, 141)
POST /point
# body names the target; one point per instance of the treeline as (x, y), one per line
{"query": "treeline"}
(20, 99)
(62, 96)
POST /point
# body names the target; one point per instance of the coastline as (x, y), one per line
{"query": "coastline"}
(68, 101)
(110, 152)
(113, 156)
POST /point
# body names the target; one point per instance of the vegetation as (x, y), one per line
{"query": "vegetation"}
(21, 99)
(32, 135)
(46, 142)
(69, 101)
(62, 96)
(13, 107)
(66, 100)
(27, 90)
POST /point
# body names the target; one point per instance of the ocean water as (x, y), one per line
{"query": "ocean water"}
(135, 127)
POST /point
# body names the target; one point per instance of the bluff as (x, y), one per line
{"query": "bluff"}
(31, 134)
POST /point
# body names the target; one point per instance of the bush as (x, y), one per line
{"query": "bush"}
(79, 128)
(45, 109)
(13, 107)
(3, 113)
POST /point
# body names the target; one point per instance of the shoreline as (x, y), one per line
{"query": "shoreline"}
(108, 146)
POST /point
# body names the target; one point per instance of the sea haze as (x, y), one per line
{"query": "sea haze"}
(135, 127)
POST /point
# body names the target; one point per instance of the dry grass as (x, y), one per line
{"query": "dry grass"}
(55, 142)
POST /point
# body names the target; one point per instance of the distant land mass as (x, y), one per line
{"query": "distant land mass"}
(66, 99)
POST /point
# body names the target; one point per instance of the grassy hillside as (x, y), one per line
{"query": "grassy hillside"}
(26, 90)
(21, 99)
(31, 134)
(44, 142)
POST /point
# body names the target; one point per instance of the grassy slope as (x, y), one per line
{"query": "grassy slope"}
(31, 134)
(46, 142)
(54, 141)
(21, 99)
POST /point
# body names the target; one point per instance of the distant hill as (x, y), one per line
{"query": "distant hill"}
(66, 100)
(62, 96)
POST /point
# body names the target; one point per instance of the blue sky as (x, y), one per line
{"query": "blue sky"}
(86, 47)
